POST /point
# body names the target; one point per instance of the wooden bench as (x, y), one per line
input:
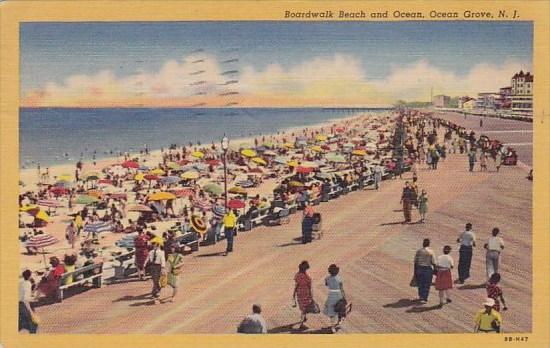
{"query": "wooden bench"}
(127, 264)
(280, 218)
(260, 218)
(81, 276)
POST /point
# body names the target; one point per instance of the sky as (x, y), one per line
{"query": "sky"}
(270, 64)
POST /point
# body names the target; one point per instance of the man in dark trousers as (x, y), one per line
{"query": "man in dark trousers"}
(407, 198)
(424, 261)
(467, 240)
(472, 159)
(157, 265)
(230, 224)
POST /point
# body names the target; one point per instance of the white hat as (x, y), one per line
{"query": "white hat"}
(489, 302)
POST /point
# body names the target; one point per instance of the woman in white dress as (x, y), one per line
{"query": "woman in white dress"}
(335, 294)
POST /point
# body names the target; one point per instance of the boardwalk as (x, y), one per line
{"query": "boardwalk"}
(364, 236)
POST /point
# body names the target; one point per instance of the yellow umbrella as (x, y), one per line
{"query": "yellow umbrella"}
(289, 145)
(248, 153)
(157, 171)
(190, 175)
(41, 214)
(296, 184)
(173, 165)
(157, 240)
(292, 163)
(28, 207)
(139, 177)
(359, 152)
(198, 154)
(259, 161)
(161, 196)
(237, 190)
(64, 177)
(316, 148)
(320, 137)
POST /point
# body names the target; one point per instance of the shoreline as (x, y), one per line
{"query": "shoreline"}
(29, 176)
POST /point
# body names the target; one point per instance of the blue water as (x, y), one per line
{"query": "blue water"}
(52, 136)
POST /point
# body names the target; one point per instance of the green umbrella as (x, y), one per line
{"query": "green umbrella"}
(213, 188)
(336, 158)
(86, 199)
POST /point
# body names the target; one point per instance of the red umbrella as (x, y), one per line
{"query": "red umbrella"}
(40, 242)
(256, 170)
(183, 162)
(49, 203)
(235, 204)
(325, 147)
(118, 196)
(212, 162)
(105, 181)
(130, 164)
(186, 192)
(304, 170)
(151, 177)
(59, 190)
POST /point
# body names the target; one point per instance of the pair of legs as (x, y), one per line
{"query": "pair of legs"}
(444, 297)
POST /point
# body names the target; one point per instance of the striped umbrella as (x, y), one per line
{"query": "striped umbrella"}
(50, 203)
(170, 180)
(98, 227)
(218, 210)
(40, 242)
(202, 204)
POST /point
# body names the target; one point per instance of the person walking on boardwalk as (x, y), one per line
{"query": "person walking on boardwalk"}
(444, 280)
(174, 263)
(472, 159)
(467, 240)
(335, 294)
(424, 260)
(377, 176)
(423, 205)
(494, 247)
(303, 294)
(495, 292)
(157, 265)
(229, 224)
(407, 199)
(142, 251)
(488, 319)
(27, 317)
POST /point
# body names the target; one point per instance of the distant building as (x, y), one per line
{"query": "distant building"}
(469, 105)
(441, 101)
(463, 100)
(522, 94)
(505, 98)
(488, 101)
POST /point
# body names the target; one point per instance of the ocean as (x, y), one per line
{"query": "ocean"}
(52, 136)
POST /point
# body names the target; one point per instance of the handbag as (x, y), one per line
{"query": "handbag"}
(313, 308)
(163, 280)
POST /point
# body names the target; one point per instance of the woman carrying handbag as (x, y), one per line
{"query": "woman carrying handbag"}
(303, 295)
(336, 304)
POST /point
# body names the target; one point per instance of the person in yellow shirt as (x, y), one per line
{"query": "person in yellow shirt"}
(79, 223)
(229, 224)
(488, 319)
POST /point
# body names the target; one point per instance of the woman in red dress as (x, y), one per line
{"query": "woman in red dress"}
(142, 251)
(495, 292)
(50, 283)
(302, 292)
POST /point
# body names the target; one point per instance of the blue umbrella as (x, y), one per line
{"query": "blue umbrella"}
(143, 168)
(98, 227)
(170, 179)
(218, 210)
(281, 160)
(200, 166)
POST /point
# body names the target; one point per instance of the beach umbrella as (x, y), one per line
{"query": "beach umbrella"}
(130, 164)
(98, 227)
(58, 191)
(321, 137)
(197, 154)
(259, 161)
(316, 148)
(50, 203)
(91, 176)
(28, 207)
(237, 190)
(86, 199)
(118, 196)
(246, 183)
(65, 177)
(248, 153)
(144, 168)
(245, 146)
(304, 170)
(127, 241)
(190, 175)
(349, 145)
(218, 210)
(281, 160)
(339, 130)
(322, 175)
(213, 188)
(105, 182)
(139, 208)
(200, 166)
(161, 196)
(359, 152)
(212, 162)
(157, 171)
(256, 170)
(173, 165)
(40, 214)
(202, 204)
(289, 145)
(185, 192)
(336, 158)
(268, 144)
(95, 193)
(139, 177)
(270, 153)
(309, 164)
(170, 180)
(151, 177)
(235, 204)
(292, 163)
(40, 242)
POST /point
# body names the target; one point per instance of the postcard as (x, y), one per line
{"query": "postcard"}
(261, 173)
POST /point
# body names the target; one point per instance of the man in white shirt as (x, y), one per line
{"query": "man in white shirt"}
(157, 265)
(467, 240)
(494, 247)
(25, 310)
(253, 323)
